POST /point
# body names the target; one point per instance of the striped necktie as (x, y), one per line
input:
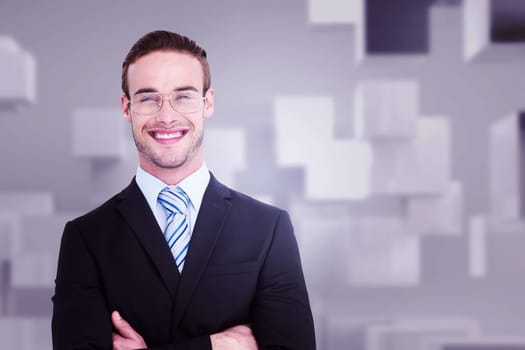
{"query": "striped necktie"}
(177, 232)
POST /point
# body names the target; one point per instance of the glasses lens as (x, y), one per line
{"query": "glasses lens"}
(151, 102)
(186, 101)
(146, 103)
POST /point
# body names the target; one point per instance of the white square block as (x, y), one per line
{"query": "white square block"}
(497, 226)
(445, 23)
(476, 343)
(477, 242)
(381, 252)
(35, 250)
(18, 72)
(506, 167)
(34, 270)
(226, 153)
(301, 123)
(336, 11)
(339, 170)
(334, 169)
(9, 228)
(348, 332)
(476, 21)
(41, 233)
(437, 214)
(25, 333)
(479, 17)
(413, 334)
(110, 176)
(321, 243)
(386, 109)
(99, 133)
(417, 166)
(27, 203)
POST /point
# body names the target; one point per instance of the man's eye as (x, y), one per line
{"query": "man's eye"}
(148, 99)
(183, 97)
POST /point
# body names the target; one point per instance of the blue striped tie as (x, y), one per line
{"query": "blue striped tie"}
(177, 232)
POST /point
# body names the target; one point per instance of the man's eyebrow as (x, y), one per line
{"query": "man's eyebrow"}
(143, 90)
(178, 89)
(186, 88)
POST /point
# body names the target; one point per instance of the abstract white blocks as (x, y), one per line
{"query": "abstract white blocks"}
(369, 252)
(35, 250)
(477, 242)
(336, 11)
(99, 133)
(475, 343)
(8, 226)
(396, 153)
(411, 154)
(301, 124)
(386, 109)
(339, 170)
(414, 334)
(25, 333)
(381, 253)
(420, 165)
(26, 203)
(322, 243)
(226, 152)
(507, 173)
(109, 176)
(442, 213)
(103, 137)
(476, 21)
(481, 20)
(18, 72)
(334, 169)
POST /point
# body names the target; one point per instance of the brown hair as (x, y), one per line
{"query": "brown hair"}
(163, 40)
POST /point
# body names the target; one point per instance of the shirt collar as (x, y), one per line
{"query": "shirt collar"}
(194, 186)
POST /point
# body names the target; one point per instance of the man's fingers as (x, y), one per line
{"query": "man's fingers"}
(236, 338)
(123, 326)
(242, 329)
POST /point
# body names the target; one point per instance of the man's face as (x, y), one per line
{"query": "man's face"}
(167, 139)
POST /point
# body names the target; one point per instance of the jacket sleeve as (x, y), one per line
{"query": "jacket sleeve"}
(80, 316)
(281, 313)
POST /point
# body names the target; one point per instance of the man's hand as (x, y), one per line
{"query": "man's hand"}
(126, 338)
(235, 338)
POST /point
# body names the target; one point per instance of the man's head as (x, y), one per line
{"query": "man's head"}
(167, 96)
(165, 41)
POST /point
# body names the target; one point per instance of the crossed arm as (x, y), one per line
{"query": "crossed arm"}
(279, 315)
(235, 338)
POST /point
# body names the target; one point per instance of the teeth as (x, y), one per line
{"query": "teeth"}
(168, 136)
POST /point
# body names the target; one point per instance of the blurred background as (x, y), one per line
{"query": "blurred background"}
(392, 131)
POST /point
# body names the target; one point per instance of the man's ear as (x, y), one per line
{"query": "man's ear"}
(124, 104)
(209, 105)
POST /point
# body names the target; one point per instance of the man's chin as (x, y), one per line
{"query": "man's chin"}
(167, 165)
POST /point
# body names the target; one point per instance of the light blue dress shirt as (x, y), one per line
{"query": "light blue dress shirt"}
(194, 186)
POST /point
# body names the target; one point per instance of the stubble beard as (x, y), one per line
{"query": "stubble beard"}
(162, 161)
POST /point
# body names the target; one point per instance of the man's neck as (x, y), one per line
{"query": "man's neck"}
(172, 176)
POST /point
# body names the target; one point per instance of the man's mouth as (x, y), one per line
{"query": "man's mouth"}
(168, 135)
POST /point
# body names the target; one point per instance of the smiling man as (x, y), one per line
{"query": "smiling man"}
(177, 260)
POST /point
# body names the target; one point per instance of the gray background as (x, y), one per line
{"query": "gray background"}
(260, 51)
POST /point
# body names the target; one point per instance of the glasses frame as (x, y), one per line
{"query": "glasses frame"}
(162, 99)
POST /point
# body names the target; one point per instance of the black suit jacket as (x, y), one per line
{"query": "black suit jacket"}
(242, 267)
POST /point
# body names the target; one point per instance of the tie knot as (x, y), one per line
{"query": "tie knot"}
(174, 200)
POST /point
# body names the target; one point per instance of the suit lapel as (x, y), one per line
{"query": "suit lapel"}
(212, 214)
(135, 210)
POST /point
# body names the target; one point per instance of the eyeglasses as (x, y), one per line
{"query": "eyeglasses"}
(147, 103)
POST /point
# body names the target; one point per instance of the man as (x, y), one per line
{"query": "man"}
(177, 260)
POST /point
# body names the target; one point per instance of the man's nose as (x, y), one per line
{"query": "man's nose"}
(166, 113)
